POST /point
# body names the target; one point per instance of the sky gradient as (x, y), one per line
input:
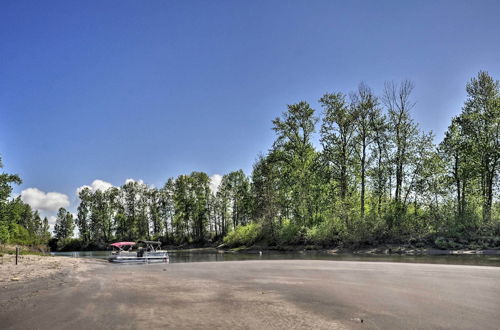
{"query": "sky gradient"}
(113, 90)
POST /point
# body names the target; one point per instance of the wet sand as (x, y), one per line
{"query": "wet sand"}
(278, 294)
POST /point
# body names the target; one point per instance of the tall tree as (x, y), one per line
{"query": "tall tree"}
(404, 130)
(380, 154)
(200, 197)
(83, 215)
(131, 195)
(45, 232)
(183, 204)
(365, 105)
(421, 163)
(337, 139)
(265, 194)
(167, 209)
(480, 121)
(236, 187)
(295, 155)
(456, 152)
(143, 221)
(64, 226)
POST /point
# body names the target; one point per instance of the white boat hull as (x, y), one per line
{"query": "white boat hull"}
(146, 258)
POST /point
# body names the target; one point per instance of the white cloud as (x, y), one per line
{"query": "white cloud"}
(95, 186)
(215, 181)
(42, 201)
(52, 220)
(133, 180)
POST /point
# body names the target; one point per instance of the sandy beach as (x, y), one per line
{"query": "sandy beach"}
(32, 267)
(279, 294)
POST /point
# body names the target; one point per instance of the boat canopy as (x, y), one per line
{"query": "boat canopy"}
(120, 244)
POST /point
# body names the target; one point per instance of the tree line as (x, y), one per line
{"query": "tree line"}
(184, 211)
(376, 178)
(19, 223)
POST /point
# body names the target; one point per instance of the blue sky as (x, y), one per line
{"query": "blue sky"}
(113, 90)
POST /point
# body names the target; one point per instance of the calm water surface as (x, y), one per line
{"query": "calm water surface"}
(214, 255)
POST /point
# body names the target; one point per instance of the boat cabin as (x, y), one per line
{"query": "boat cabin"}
(147, 246)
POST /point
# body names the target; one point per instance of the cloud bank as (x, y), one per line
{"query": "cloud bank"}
(42, 201)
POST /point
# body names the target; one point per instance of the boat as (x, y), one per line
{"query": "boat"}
(147, 252)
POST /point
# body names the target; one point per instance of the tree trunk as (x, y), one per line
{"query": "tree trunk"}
(459, 192)
(380, 180)
(488, 198)
(363, 161)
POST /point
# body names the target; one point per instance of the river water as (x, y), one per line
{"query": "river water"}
(201, 255)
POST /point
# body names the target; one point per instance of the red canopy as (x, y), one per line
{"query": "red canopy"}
(120, 244)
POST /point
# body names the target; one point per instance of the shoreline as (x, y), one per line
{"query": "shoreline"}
(384, 250)
(36, 267)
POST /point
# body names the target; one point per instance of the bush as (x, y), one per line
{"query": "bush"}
(326, 233)
(68, 244)
(4, 234)
(291, 233)
(244, 235)
(21, 235)
(447, 243)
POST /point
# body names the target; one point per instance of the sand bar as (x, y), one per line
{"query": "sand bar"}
(277, 294)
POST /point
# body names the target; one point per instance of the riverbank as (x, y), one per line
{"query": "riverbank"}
(271, 294)
(387, 249)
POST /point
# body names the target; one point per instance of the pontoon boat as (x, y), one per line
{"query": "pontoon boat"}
(148, 251)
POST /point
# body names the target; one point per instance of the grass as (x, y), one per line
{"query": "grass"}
(23, 250)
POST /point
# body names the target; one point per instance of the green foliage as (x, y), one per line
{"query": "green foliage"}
(64, 226)
(190, 197)
(21, 235)
(293, 157)
(291, 233)
(329, 232)
(234, 198)
(6, 181)
(19, 224)
(72, 244)
(4, 234)
(447, 244)
(245, 235)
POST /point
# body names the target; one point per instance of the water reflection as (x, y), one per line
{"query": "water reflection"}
(215, 256)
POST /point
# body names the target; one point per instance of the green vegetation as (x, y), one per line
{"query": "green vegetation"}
(376, 179)
(245, 235)
(19, 224)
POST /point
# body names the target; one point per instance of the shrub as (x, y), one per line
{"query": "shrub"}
(68, 244)
(291, 233)
(244, 235)
(447, 244)
(21, 235)
(326, 233)
(4, 234)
